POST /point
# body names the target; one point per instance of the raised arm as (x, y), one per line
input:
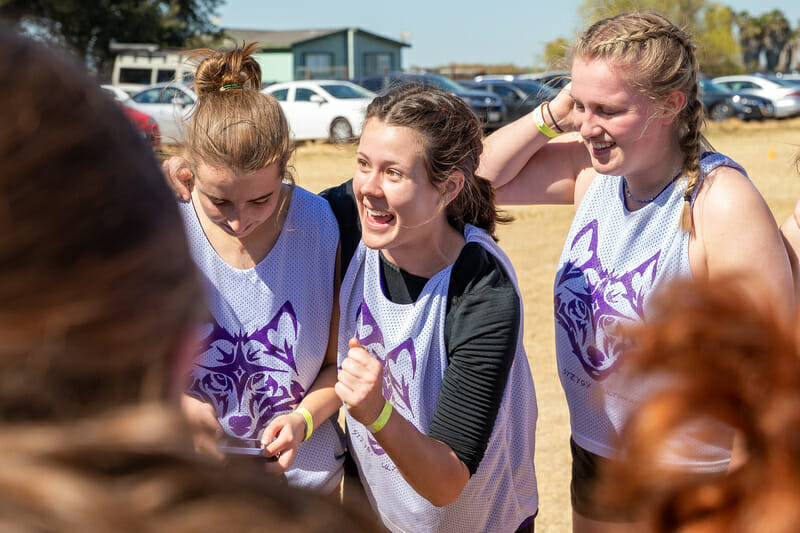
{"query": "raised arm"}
(528, 167)
(738, 236)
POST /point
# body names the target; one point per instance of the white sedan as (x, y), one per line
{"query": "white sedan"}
(785, 95)
(322, 109)
(169, 104)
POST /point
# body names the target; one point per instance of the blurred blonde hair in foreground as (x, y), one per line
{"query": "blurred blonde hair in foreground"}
(99, 301)
(727, 358)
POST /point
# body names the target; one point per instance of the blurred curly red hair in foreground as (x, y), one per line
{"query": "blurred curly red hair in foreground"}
(729, 359)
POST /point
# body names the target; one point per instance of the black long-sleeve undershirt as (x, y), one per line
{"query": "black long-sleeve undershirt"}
(481, 331)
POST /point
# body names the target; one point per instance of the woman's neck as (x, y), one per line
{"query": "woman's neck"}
(426, 256)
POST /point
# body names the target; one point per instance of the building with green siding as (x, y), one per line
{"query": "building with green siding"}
(320, 54)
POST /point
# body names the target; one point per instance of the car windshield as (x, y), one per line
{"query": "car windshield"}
(531, 87)
(711, 87)
(443, 83)
(340, 90)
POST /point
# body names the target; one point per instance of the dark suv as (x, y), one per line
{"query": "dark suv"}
(487, 106)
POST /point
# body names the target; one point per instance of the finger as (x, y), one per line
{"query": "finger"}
(272, 429)
(284, 441)
(353, 343)
(283, 463)
(344, 392)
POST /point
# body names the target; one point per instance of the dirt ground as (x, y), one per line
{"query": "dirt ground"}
(534, 241)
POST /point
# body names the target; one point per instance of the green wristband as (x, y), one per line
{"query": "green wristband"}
(386, 412)
(309, 421)
(540, 123)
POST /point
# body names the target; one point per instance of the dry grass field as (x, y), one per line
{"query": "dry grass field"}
(534, 242)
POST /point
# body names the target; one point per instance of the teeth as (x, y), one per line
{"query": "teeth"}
(376, 212)
(601, 146)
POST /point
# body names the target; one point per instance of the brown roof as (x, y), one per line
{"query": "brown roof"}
(288, 38)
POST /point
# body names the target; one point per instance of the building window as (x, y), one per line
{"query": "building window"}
(377, 63)
(319, 60)
(135, 75)
(163, 76)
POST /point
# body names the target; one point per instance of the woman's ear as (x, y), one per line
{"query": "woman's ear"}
(675, 103)
(453, 186)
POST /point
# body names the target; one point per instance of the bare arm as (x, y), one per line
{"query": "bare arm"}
(527, 167)
(737, 236)
(428, 465)
(791, 239)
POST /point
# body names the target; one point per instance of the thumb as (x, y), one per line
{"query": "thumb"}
(353, 343)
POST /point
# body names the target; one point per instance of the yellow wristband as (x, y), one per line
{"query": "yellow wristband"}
(386, 412)
(539, 119)
(309, 421)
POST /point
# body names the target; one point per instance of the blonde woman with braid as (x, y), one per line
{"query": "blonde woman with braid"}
(653, 203)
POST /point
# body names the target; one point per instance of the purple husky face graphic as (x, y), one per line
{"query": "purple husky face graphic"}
(395, 384)
(249, 378)
(590, 302)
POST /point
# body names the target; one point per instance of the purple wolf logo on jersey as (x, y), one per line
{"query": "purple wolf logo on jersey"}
(237, 373)
(395, 385)
(590, 302)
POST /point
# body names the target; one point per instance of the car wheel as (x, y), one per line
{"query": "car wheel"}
(720, 111)
(341, 132)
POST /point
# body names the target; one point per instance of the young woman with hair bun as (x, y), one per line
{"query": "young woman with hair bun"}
(653, 202)
(267, 252)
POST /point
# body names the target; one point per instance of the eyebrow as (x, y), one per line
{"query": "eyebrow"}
(217, 199)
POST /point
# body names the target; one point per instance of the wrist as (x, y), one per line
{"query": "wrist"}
(541, 122)
(383, 418)
(305, 414)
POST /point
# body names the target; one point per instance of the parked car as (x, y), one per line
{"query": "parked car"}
(557, 79)
(144, 123)
(322, 109)
(719, 103)
(169, 104)
(784, 95)
(117, 93)
(487, 106)
(520, 97)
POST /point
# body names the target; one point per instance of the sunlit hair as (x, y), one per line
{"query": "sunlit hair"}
(453, 143)
(730, 359)
(233, 124)
(656, 58)
(96, 279)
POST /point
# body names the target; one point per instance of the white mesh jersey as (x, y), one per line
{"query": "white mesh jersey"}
(612, 262)
(409, 340)
(267, 340)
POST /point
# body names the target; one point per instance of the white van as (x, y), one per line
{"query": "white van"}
(140, 65)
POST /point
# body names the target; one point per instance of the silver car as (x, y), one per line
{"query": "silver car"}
(785, 96)
(169, 104)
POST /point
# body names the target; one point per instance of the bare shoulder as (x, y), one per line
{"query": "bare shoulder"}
(726, 195)
(736, 234)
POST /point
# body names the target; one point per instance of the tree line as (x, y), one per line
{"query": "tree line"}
(728, 41)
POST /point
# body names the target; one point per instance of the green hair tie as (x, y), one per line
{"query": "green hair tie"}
(230, 86)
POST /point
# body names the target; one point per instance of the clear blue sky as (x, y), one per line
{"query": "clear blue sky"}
(469, 31)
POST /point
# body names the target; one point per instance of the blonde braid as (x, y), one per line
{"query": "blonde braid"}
(691, 140)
